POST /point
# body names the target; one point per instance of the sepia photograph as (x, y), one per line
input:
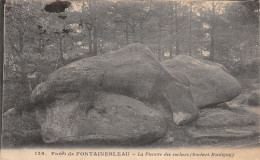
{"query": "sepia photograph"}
(136, 74)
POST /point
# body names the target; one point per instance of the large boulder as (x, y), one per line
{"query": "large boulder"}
(209, 83)
(113, 118)
(70, 98)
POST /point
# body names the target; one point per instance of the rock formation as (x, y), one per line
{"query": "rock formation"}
(124, 96)
(209, 83)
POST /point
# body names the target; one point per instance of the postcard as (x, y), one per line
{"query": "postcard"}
(129, 80)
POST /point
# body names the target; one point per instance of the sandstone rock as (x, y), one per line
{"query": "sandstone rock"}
(220, 117)
(209, 83)
(215, 64)
(70, 98)
(180, 76)
(227, 133)
(113, 118)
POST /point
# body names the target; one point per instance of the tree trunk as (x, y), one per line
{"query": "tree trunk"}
(159, 44)
(95, 45)
(22, 63)
(201, 46)
(101, 46)
(141, 35)
(23, 72)
(6, 66)
(171, 51)
(61, 58)
(212, 34)
(177, 45)
(24, 79)
(2, 3)
(190, 29)
(227, 56)
(90, 41)
(212, 45)
(126, 32)
(171, 33)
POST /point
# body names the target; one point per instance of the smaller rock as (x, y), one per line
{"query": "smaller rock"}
(229, 132)
(181, 117)
(220, 117)
(253, 99)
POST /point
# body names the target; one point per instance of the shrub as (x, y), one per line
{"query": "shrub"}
(20, 130)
